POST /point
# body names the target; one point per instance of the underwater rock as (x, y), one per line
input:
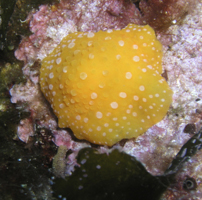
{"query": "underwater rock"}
(181, 49)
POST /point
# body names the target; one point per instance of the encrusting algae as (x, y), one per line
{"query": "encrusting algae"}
(107, 86)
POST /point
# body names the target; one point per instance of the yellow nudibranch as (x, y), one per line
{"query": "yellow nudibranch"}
(107, 86)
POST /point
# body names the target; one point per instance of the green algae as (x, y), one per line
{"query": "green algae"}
(114, 176)
(14, 26)
(23, 175)
(10, 115)
(117, 175)
(10, 74)
(14, 159)
(23, 168)
(189, 149)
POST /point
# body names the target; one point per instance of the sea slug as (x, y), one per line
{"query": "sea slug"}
(107, 86)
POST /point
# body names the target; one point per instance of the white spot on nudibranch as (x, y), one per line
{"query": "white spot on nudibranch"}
(122, 94)
(51, 75)
(83, 75)
(141, 88)
(118, 57)
(50, 86)
(85, 119)
(135, 46)
(109, 31)
(136, 58)
(71, 45)
(61, 105)
(90, 35)
(106, 125)
(135, 98)
(144, 99)
(65, 69)
(91, 56)
(121, 43)
(90, 43)
(93, 95)
(78, 117)
(114, 105)
(99, 128)
(107, 38)
(99, 115)
(149, 66)
(58, 61)
(128, 75)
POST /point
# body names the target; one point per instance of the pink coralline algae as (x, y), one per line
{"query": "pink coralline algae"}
(51, 23)
(182, 62)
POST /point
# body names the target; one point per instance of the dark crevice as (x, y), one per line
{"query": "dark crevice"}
(136, 3)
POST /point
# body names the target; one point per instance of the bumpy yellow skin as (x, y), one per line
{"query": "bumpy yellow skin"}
(107, 86)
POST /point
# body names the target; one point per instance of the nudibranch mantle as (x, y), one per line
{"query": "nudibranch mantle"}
(107, 86)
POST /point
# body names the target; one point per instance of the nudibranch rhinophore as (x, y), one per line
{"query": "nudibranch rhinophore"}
(107, 86)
